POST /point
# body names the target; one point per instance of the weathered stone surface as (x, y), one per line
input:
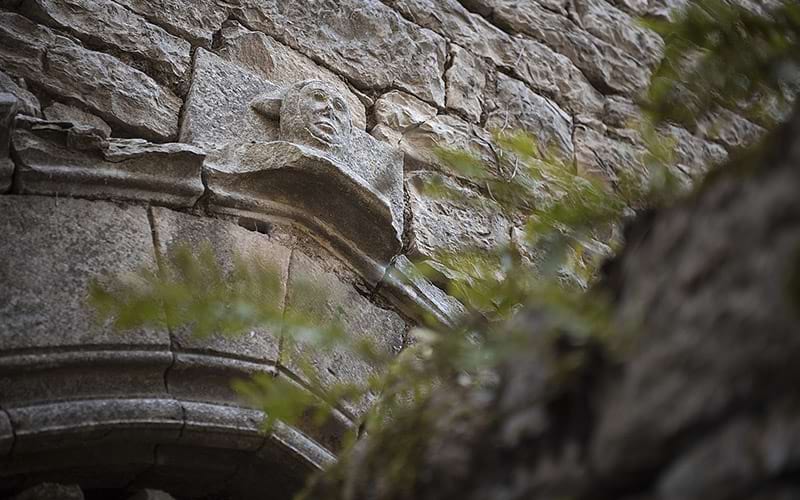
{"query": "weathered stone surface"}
(401, 111)
(217, 109)
(660, 9)
(619, 29)
(620, 112)
(115, 28)
(476, 223)
(51, 491)
(228, 241)
(465, 81)
(121, 95)
(730, 129)
(193, 20)
(694, 156)
(56, 158)
(445, 131)
(417, 296)
(317, 289)
(601, 156)
(513, 106)
(28, 103)
(603, 62)
(52, 248)
(366, 42)
(9, 105)
(543, 69)
(58, 112)
(279, 64)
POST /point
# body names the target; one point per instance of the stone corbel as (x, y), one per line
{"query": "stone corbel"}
(292, 181)
(314, 169)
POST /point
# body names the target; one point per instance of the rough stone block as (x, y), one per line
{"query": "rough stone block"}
(63, 159)
(115, 28)
(52, 248)
(279, 64)
(28, 103)
(193, 20)
(620, 112)
(57, 112)
(450, 132)
(474, 223)
(217, 109)
(694, 156)
(601, 157)
(543, 69)
(366, 42)
(465, 81)
(316, 290)
(401, 111)
(116, 92)
(513, 106)
(730, 129)
(603, 62)
(616, 27)
(228, 241)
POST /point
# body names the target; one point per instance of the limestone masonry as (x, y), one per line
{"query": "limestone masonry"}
(299, 132)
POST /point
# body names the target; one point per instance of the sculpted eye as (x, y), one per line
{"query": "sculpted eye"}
(319, 96)
(338, 104)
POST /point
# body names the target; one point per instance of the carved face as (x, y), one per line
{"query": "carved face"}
(315, 113)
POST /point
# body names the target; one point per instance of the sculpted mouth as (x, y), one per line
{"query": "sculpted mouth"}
(326, 126)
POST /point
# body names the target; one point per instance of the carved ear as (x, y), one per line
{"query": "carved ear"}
(269, 104)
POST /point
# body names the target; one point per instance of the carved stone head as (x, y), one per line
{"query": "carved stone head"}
(311, 113)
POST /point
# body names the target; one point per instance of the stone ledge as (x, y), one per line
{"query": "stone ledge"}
(60, 158)
(51, 375)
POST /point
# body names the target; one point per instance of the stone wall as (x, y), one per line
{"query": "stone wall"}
(129, 126)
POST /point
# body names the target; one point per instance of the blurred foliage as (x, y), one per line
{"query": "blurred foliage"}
(716, 55)
(722, 55)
